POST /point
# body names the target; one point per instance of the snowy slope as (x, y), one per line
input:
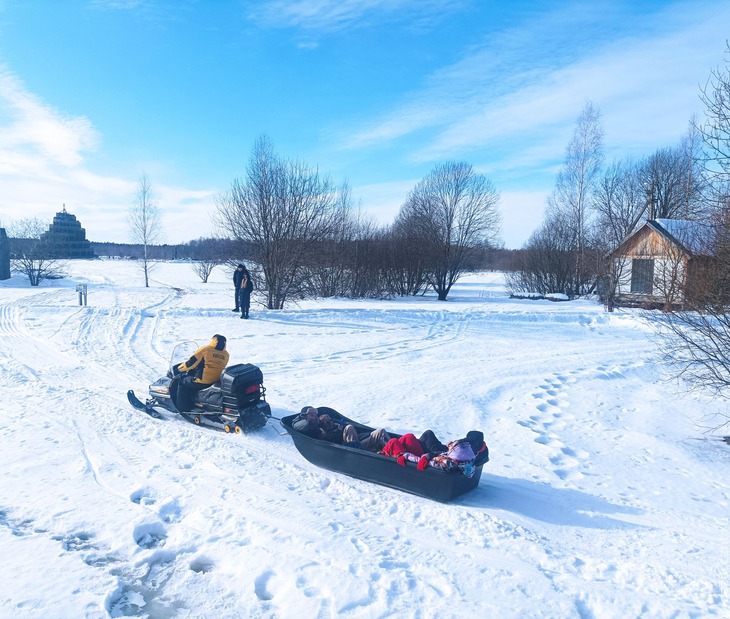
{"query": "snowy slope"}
(603, 497)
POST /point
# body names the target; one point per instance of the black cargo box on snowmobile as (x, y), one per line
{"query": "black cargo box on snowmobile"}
(241, 385)
(431, 483)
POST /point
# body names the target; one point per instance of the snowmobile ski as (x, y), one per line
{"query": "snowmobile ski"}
(139, 405)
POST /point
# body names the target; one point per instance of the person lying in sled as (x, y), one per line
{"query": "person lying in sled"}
(427, 443)
(204, 368)
(311, 423)
(459, 455)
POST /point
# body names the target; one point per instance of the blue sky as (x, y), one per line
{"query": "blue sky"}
(93, 93)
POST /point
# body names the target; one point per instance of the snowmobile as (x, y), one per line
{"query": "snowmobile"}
(237, 403)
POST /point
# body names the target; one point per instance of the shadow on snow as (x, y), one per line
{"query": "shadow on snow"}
(540, 501)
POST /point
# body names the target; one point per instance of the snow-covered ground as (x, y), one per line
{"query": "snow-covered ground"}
(603, 497)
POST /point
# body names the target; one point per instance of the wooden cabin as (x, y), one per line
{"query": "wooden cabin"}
(662, 263)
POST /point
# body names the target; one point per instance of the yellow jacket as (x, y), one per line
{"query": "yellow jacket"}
(209, 361)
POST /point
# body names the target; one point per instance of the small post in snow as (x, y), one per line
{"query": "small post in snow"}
(81, 289)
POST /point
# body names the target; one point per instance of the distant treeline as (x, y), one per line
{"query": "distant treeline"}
(200, 249)
(228, 250)
(224, 250)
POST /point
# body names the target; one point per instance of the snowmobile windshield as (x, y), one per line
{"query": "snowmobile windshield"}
(182, 352)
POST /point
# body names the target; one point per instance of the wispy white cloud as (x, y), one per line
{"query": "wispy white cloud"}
(519, 87)
(43, 165)
(325, 16)
(41, 128)
(646, 90)
(116, 4)
(159, 11)
(507, 62)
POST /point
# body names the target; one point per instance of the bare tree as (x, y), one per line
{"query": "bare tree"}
(676, 181)
(329, 269)
(453, 211)
(145, 224)
(562, 255)
(576, 182)
(281, 211)
(33, 253)
(698, 346)
(662, 171)
(203, 267)
(208, 255)
(715, 130)
(696, 339)
(667, 185)
(694, 180)
(407, 249)
(377, 268)
(548, 263)
(620, 201)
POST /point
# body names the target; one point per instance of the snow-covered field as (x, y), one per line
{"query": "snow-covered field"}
(603, 497)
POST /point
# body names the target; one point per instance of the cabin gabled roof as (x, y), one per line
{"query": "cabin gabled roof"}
(694, 238)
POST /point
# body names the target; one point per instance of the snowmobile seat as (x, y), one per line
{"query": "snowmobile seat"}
(210, 395)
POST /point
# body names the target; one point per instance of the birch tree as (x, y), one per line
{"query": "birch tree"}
(145, 224)
(574, 186)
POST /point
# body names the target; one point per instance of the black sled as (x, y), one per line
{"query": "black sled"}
(431, 483)
(237, 403)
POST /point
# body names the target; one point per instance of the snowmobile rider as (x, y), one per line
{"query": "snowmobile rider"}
(203, 369)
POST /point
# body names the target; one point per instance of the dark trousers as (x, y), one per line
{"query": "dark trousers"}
(243, 301)
(430, 443)
(369, 441)
(186, 390)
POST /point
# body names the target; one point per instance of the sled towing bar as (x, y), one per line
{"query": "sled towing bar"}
(285, 432)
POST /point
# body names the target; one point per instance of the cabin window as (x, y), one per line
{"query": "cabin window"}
(642, 275)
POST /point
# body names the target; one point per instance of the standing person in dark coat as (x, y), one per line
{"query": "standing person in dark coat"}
(237, 279)
(244, 292)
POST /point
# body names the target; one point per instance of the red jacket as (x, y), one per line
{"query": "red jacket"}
(407, 443)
